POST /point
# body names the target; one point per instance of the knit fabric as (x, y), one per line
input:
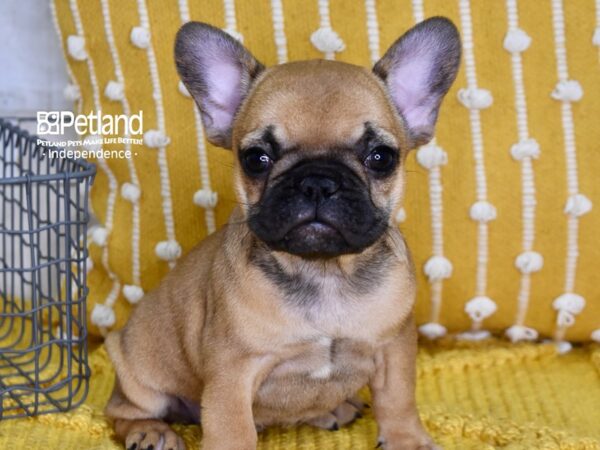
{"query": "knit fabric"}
(471, 396)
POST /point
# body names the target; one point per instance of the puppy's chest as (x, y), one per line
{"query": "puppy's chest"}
(326, 359)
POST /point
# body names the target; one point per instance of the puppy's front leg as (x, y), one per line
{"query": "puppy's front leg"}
(226, 405)
(393, 390)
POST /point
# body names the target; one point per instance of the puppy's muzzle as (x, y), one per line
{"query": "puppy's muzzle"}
(317, 208)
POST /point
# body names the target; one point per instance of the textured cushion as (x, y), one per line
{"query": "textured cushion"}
(498, 210)
(470, 396)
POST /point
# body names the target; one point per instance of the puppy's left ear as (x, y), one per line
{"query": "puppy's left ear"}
(218, 71)
(418, 69)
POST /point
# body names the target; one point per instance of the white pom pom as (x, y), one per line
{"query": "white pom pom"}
(475, 98)
(572, 303)
(432, 330)
(155, 139)
(563, 347)
(430, 156)
(482, 211)
(400, 215)
(132, 293)
(130, 192)
(596, 335)
(183, 90)
(140, 37)
(528, 148)
(474, 335)
(578, 205)
(518, 333)
(114, 91)
(72, 92)
(100, 236)
(596, 38)
(517, 41)
(205, 198)
(326, 40)
(93, 142)
(168, 250)
(567, 91)
(76, 47)
(103, 316)
(480, 308)
(438, 268)
(234, 34)
(529, 262)
(89, 264)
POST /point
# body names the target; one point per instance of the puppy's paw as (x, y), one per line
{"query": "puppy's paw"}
(344, 414)
(407, 442)
(152, 435)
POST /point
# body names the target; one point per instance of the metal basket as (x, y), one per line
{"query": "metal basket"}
(43, 252)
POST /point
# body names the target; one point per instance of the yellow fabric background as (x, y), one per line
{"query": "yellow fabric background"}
(499, 130)
(471, 396)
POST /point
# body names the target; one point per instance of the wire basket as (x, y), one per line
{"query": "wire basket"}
(43, 253)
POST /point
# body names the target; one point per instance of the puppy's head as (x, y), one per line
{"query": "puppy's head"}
(320, 145)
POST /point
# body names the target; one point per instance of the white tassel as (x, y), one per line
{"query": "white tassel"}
(103, 316)
(480, 308)
(529, 262)
(596, 335)
(518, 333)
(132, 293)
(205, 198)
(400, 215)
(474, 335)
(72, 92)
(89, 264)
(438, 268)
(100, 236)
(168, 250)
(114, 91)
(433, 330)
(596, 38)
(140, 37)
(578, 205)
(528, 148)
(517, 40)
(430, 156)
(572, 303)
(567, 91)
(76, 47)
(482, 211)
(326, 40)
(183, 90)
(155, 139)
(475, 98)
(130, 192)
(563, 347)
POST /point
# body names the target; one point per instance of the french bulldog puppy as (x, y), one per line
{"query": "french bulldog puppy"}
(305, 296)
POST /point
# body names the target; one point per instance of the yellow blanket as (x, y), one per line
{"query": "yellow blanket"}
(471, 396)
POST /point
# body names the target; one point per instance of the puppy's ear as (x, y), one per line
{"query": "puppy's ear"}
(218, 72)
(418, 69)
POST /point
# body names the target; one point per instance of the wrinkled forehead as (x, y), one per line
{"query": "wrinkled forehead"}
(317, 104)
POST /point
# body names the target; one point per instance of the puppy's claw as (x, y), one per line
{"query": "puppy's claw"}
(379, 443)
(133, 447)
(334, 427)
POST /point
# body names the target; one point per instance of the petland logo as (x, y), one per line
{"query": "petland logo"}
(95, 123)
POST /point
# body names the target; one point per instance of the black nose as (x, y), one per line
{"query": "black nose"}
(318, 187)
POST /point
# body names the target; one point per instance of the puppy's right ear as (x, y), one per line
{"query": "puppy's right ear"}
(218, 72)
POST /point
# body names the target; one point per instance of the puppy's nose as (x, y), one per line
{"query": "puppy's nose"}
(318, 187)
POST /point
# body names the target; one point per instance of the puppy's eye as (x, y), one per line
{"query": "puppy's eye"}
(256, 161)
(382, 159)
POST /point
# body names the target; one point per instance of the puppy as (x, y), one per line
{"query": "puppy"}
(305, 296)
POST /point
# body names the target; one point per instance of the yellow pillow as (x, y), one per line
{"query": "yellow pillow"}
(498, 210)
